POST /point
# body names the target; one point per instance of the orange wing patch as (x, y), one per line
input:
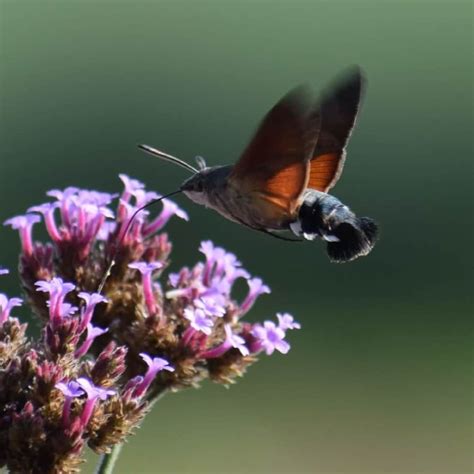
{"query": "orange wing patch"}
(325, 171)
(284, 187)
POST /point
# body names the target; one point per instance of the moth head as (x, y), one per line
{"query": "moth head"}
(195, 187)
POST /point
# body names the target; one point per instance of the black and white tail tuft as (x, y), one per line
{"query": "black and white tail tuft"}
(356, 238)
(348, 236)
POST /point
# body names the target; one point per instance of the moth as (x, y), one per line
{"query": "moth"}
(281, 180)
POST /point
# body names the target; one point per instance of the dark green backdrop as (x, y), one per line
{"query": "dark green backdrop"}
(379, 379)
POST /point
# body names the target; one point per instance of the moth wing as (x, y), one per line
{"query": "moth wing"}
(338, 108)
(274, 168)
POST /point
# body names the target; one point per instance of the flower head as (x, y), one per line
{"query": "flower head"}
(194, 327)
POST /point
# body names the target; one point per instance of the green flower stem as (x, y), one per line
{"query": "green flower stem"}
(108, 460)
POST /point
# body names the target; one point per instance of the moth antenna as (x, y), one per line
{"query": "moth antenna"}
(201, 162)
(122, 235)
(170, 158)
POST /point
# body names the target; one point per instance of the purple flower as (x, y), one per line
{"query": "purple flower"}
(65, 310)
(235, 340)
(146, 269)
(93, 394)
(88, 222)
(57, 289)
(143, 197)
(286, 321)
(4, 271)
(64, 197)
(92, 333)
(6, 305)
(98, 198)
(61, 195)
(213, 279)
(130, 388)
(84, 196)
(24, 224)
(94, 210)
(155, 365)
(208, 249)
(70, 390)
(232, 270)
(199, 320)
(131, 185)
(226, 263)
(173, 279)
(193, 288)
(47, 210)
(210, 306)
(83, 212)
(170, 209)
(256, 288)
(54, 286)
(91, 299)
(231, 341)
(220, 263)
(221, 269)
(93, 391)
(126, 211)
(213, 254)
(107, 228)
(271, 337)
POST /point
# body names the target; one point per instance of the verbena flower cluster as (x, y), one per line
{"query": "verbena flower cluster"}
(103, 357)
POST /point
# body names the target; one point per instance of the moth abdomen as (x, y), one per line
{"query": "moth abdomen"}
(324, 216)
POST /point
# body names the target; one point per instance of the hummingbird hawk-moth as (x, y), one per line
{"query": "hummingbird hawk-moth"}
(282, 179)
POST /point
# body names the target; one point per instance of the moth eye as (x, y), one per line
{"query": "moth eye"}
(199, 187)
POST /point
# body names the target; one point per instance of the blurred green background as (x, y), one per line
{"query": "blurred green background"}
(379, 378)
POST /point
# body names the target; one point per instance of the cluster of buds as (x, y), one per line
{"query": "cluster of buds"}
(103, 357)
